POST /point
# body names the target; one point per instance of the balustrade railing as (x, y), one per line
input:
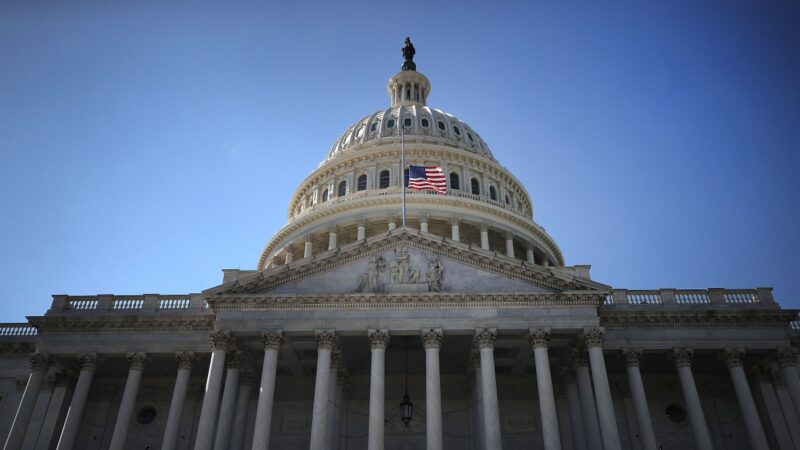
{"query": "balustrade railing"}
(17, 329)
(692, 297)
(124, 303)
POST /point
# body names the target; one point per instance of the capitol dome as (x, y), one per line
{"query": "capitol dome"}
(355, 191)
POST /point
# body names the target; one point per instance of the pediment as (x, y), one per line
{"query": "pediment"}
(405, 262)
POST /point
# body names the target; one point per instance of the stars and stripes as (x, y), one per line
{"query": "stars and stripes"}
(427, 177)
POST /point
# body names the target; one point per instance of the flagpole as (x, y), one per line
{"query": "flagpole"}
(403, 168)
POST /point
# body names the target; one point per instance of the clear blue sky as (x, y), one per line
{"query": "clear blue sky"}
(145, 146)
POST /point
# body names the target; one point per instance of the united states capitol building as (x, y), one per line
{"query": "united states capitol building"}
(457, 326)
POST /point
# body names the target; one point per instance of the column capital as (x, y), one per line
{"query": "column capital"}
(787, 356)
(568, 374)
(308, 237)
(633, 356)
(136, 360)
(333, 228)
(539, 337)
(41, 362)
(234, 360)
(484, 226)
(185, 360)
(431, 338)
(454, 220)
(336, 359)
(361, 222)
(732, 357)
(272, 339)
(87, 361)
(392, 218)
(378, 339)
(509, 235)
(682, 357)
(424, 218)
(63, 378)
(593, 337)
(579, 357)
(325, 338)
(20, 383)
(485, 337)
(221, 340)
(247, 377)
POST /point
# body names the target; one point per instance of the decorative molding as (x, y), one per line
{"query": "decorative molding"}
(633, 356)
(88, 361)
(539, 337)
(115, 323)
(378, 339)
(696, 317)
(431, 338)
(17, 348)
(732, 357)
(682, 357)
(593, 337)
(41, 362)
(272, 339)
(325, 339)
(185, 360)
(485, 337)
(221, 340)
(136, 361)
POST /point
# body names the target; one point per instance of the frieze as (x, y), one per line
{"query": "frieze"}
(403, 275)
(658, 318)
(17, 348)
(114, 324)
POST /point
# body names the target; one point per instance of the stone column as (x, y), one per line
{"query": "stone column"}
(289, 255)
(539, 339)
(72, 423)
(308, 246)
(185, 360)
(588, 409)
(227, 409)
(602, 391)
(332, 233)
(136, 362)
(732, 357)
(39, 411)
(242, 407)
(392, 219)
(361, 231)
(56, 409)
(633, 357)
(378, 340)
(221, 342)
(266, 396)
(787, 361)
(454, 232)
(481, 433)
(40, 363)
(785, 402)
(682, 357)
(432, 342)
(510, 245)
(333, 410)
(484, 340)
(319, 420)
(423, 222)
(485, 236)
(529, 256)
(773, 408)
(575, 419)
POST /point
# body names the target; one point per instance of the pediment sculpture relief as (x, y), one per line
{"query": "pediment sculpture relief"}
(403, 275)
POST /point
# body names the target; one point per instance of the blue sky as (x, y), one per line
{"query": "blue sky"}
(146, 145)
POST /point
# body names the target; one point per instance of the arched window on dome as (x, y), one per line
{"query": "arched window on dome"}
(440, 124)
(492, 193)
(374, 126)
(508, 200)
(384, 179)
(342, 189)
(454, 181)
(324, 196)
(362, 183)
(407, 122)
(457, 131)
(475, 187)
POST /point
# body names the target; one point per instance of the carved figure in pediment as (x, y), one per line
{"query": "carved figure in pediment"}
(435, 275)
(403, 263)
(370, 278)
(394, 271)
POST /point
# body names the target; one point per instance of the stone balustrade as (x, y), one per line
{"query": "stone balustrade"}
(17, 330)
(759, 297)
(124, 303)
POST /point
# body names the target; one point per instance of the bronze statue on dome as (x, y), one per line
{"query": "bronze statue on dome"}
(408, 55)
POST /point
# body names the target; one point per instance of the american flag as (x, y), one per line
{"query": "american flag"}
(427, 177)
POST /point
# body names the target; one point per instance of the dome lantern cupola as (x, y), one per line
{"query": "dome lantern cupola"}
(408, 87)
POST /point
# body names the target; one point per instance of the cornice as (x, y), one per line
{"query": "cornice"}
(115, 324)
(671, 318)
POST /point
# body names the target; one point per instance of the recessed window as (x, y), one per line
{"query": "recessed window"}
(424, 123)
(475, 187)
(360, 132)
(492, 193)
(675, 413)
(342, 189)
(407, 122)
(508, 200)
(457, 131)
(146, 415)
(374, 126)
(384, 179)
(390, 123)
(440, 124)
(362, 183)
(324, 196)
(454, 184)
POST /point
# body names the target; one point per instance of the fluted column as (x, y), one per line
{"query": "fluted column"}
(633, 357)
(221, 342)
(785, 401)
(787, 361)
(242, 408)
(484, 340)
(40, 363)
(588, 410)
(72, 423)
(529, 256)
(227, 409)
(361, 230)
(333, 410)
(308, 246)
(539, 339)
(136, 362)
(575, 417)
(454, 231)
(682, 357)
(773, 408)
(432, 342)
(266, 394)
(332, 233)
(185, 361)
(602, 391)
(475, 359)
(423, 222)
(49, 432)
(378, 340)
(319, 420)
(510, 245)
(733, 359)
(485, 236)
